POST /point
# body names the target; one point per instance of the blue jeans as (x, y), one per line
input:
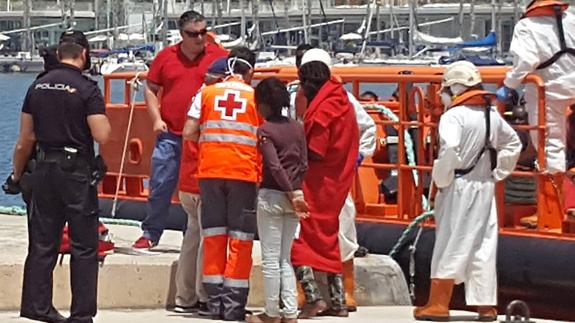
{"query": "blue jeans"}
(164, 173)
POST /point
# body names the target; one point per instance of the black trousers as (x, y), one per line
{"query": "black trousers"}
(60, 196)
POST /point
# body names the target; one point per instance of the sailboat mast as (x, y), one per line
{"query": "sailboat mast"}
(286, 14)
(472, 14)
(411, 27)
(108, 21)
(309, 22)
(378, 19)
(493, 17)
(368, 28)
(391, 18)
(461, 17)
(499, 28)
(255, 23)
(27, 41)
(304, 21)
(164, 31)
(243, 20)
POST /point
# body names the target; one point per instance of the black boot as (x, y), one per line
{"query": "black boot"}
(52, 316)
(337, 294)
(314, 302)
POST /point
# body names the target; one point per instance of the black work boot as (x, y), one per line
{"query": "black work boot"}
(314, 304)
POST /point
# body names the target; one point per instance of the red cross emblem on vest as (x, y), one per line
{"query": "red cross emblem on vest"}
(230, 104)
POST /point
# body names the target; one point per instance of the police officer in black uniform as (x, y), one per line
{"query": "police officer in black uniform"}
(63, 112)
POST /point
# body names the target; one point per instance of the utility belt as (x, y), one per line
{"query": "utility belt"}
(71, 159)
(492, 159)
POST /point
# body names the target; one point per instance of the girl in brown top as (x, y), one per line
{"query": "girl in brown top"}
(280, 199)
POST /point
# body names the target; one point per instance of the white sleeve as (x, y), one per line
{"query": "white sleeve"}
(196, 108)
(526, 57)
(448, 160)
(508, 150)
(366, 125)
(292, 112)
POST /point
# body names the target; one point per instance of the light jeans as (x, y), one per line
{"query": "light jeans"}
(189, 289)
(277, 225)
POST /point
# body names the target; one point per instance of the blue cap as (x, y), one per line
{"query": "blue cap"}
(219, 66)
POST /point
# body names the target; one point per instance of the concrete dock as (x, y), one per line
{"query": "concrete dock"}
(135, 287)
(147, 281)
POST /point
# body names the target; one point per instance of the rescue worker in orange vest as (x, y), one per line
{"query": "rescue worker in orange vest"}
(544, 44)
(477, 149)
(223, 119)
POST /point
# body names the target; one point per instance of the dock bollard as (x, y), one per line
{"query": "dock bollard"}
(524, 316)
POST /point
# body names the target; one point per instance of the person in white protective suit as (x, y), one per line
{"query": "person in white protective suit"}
(544, 44)
(472, 157)
(367, 142)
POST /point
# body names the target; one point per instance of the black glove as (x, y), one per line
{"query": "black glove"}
(10, 186)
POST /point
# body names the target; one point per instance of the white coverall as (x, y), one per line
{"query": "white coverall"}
(347, 232)
(535, 39)
(465, 213)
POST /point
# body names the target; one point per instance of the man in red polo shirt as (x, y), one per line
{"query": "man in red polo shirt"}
(178, 71)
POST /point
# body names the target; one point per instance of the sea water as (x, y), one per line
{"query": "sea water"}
(13, 89)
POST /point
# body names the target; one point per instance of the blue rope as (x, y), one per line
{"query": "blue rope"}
(407, 231)
(21, 211)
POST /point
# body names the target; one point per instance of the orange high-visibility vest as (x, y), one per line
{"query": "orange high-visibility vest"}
(540, 8)
(228, 128)
(473, 97)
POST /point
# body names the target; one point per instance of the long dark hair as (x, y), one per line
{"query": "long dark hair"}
(273, 93)
(313, 76)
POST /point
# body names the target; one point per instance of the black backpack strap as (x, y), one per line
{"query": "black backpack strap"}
(561, 34)
(486, 145)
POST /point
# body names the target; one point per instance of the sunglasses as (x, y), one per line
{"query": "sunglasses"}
(195, 34)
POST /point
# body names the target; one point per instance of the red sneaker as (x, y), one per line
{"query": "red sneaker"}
(144, 244)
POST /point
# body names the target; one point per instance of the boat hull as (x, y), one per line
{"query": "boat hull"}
(537, 270)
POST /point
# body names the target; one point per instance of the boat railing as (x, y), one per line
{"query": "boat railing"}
(417, 113)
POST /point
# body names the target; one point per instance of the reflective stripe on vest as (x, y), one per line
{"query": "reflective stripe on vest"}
(220, 137)
(232, 125)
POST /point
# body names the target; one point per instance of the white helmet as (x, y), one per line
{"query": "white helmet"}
(316, 55)
(461, 72)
